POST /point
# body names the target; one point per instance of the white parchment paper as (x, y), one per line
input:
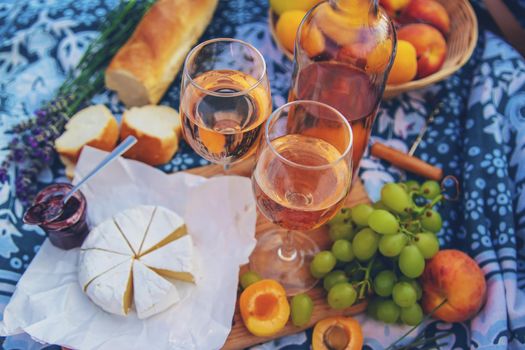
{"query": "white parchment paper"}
(49, 304)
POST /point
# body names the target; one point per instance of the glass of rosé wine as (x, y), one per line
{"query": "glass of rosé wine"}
(301, 179)
(225, 100)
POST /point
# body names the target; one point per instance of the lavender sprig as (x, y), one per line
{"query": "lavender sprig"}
(32, 147)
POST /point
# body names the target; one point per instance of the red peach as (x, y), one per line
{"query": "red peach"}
(431, 47)
(427, 11)
(453, 275)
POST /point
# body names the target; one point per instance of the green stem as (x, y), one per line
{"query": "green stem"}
(366, 281)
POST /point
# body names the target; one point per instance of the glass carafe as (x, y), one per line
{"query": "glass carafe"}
(344, 50)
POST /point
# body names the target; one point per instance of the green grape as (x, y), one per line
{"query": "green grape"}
(343, 216)
(431, 221)
(341, 296)
(371, 309)
(411, 261)
(365, 244)
(360, 214)
(341, 231)
(388, 311)
(333, 278)
(412, 185)
(430, 189)
(354, 272)
(412, 315)
(248, 278)
(427, 243)
(413, 283)
(316, 273)
(391, 245)
(323, 262)
(383, 222)
(395, 197)
(404, 294)
(384, 283)
(342, 250)
(302, 308)
(379, 205)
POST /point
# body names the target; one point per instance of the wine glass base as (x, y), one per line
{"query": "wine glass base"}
(293, 272)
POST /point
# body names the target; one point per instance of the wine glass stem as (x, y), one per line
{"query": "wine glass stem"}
(226, 168)
(287, 252)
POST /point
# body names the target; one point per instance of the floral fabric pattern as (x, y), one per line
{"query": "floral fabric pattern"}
(478, 136)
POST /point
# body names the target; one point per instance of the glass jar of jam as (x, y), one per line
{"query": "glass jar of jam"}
(70, 228)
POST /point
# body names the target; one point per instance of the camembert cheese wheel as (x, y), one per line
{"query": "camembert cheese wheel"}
(132, 257)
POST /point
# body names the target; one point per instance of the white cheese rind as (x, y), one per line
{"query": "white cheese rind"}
(133, 223)
(152, 293)
(110, 289)
(176, 256)
(106, 236)
(164, 224)
(94, 262)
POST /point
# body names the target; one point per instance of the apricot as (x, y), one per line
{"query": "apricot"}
(341, 333)
(286, 28)
(427, 11)
(264, 308)
(430, 45)
(456, 277)
(404, 68)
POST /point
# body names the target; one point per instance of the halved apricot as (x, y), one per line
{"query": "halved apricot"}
(264, 308)
(337, 333)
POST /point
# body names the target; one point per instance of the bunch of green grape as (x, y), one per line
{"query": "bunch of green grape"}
(380, 250)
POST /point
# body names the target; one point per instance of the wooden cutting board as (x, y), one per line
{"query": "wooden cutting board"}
(239, 337)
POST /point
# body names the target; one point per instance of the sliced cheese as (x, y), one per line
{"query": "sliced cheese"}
(166, 226)
(113, 290)
(133, 224)
(107, 236)
(94, 262)
(152, 293)
(173, 260)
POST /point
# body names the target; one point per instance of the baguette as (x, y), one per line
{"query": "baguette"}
(94, 126)
(155, 128)
(145, 66)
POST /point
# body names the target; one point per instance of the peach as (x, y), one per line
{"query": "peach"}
(286, 28)
(393, 7)
(430, 45)
(427, 11)
(456, 277)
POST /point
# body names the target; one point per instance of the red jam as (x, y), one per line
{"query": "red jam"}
(70, 228)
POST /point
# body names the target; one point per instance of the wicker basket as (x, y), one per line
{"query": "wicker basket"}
(461, 43)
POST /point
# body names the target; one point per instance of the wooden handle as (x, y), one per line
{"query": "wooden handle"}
(507, 23)
(406, 162)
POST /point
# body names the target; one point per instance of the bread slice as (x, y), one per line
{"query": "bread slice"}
(145, 66)
(155, 129)
(94, 126)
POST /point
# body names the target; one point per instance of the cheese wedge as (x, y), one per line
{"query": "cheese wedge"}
(106, 236)
(133, 224)
(113, 290)
(152, 293)
(94, 262)
(165, 227)
(173, 260)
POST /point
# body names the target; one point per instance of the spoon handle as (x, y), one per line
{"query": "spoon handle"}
(119, 150)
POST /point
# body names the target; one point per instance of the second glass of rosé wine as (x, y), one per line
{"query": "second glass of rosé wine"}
(302, 176)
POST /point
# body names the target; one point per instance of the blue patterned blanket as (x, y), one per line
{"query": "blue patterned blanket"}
(479, 137)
